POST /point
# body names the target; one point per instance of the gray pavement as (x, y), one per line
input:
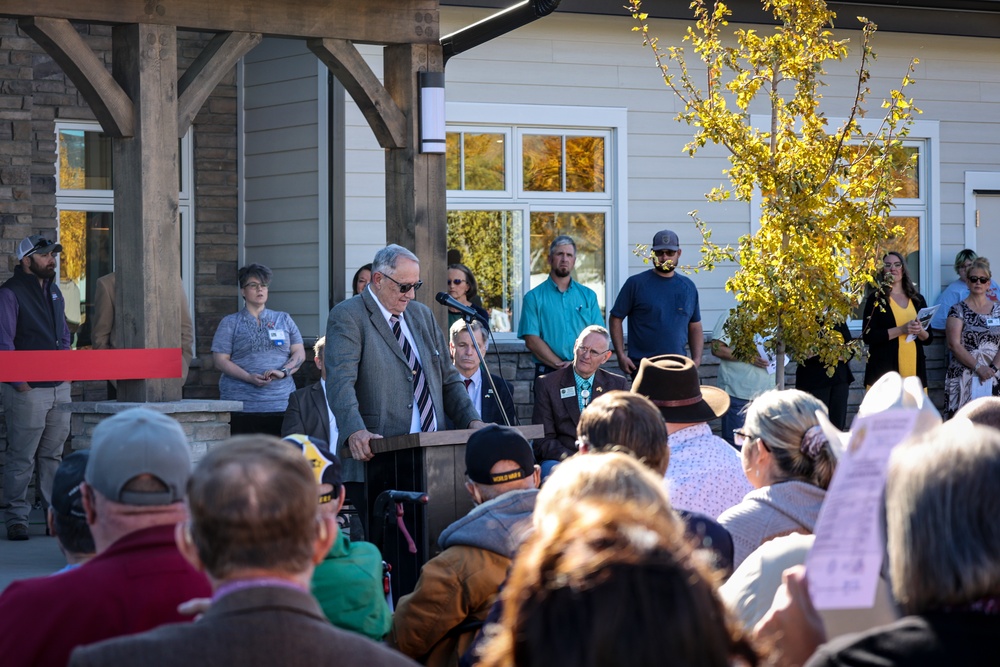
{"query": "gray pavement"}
(37, 557)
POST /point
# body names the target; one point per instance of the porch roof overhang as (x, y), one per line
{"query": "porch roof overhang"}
(966, 18)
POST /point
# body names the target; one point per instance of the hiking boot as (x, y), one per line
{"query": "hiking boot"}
(17, 532)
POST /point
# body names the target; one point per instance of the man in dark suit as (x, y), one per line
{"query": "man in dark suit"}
(484, 396)
(561, 396)
(387, 369)
(308, 411)
(255, 529)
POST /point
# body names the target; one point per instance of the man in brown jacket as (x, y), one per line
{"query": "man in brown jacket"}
(458, 585)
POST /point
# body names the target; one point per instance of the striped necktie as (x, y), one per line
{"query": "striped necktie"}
(421, 391)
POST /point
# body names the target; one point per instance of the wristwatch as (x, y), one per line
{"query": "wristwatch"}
(284, 370)
(994, 368)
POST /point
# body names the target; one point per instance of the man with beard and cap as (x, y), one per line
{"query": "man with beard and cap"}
(555, 312)
(662, 310)
(32, 317)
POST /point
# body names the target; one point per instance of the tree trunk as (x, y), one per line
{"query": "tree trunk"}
(779, 374)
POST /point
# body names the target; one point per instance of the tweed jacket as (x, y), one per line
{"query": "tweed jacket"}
(560, 415)
(370, 385)
(267, 625)
(104, 336)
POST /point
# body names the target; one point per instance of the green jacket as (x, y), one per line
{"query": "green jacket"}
(348, 586)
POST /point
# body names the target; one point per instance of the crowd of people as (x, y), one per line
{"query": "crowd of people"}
(628, 533)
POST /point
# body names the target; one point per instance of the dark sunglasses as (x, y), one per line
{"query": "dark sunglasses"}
(456, 281)
(406, 287)
(982, 280)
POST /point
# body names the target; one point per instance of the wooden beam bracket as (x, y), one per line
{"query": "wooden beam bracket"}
(110, 104)
(216, 59)
(384, 116)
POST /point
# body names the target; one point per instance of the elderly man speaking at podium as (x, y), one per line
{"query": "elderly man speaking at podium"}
(388, 368)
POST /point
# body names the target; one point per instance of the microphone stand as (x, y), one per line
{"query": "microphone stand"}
(486, 368)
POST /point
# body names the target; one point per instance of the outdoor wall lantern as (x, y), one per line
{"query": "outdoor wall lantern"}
(432, 127)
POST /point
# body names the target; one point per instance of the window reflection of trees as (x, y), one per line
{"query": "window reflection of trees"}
(489, 243)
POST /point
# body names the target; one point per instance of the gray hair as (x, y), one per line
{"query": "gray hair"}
(459, 326)
(785, 419)
(258, 271)
(594, 329)
(562, 239)
(942, 504)
(386, 259)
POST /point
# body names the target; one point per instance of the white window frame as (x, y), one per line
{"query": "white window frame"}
(508, 157)
(611, 122)
(926, 133)
(104, 201)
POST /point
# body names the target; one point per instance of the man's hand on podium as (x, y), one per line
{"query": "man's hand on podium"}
(477, 423)
(358, 444)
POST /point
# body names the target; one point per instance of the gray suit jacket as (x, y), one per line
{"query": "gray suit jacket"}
(268, 625)
(368, 382)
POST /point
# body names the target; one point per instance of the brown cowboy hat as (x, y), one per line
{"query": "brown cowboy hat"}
(671, 382)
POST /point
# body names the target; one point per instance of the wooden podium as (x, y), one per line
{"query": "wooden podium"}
(433, 463)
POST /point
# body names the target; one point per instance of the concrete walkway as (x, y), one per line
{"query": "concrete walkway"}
(37, 557)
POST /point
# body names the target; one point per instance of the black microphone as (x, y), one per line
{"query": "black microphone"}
(446, 300)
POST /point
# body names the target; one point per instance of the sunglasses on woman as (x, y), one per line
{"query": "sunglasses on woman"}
(456, 281)
(982, 280)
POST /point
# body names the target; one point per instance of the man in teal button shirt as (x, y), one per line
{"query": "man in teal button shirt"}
(555, 312)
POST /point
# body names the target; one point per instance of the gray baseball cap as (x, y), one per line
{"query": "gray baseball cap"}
(666, 240)
(137, 442)
(36, 244)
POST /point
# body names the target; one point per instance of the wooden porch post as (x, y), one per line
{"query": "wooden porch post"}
(415, 182)
(146, 226)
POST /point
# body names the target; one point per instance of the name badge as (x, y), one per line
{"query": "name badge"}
(567, 392)
(277, 336)
(993, 321)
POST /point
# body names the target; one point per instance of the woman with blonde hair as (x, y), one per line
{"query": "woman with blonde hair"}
(788, 461)
(607, 584)
(973, 333)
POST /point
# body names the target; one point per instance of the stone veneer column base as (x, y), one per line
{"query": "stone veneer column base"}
(206, 423)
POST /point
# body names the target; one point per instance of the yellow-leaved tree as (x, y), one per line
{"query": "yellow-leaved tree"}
(825, 193)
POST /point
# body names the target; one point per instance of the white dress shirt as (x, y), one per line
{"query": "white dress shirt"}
(415, 418)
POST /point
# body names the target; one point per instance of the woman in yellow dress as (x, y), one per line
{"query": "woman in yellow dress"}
(890, 317)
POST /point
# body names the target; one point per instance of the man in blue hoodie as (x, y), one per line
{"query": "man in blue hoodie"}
(458, 585)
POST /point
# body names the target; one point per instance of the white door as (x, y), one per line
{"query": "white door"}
(988, 228)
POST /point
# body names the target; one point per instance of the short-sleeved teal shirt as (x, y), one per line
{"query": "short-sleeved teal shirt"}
(558, 317)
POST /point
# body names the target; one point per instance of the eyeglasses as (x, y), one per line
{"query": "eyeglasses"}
(255, 286)
(741, 439)
(585, 351)
(893, 265)
(668, 253)
(982, 280)
(406, 287)
(456, 281)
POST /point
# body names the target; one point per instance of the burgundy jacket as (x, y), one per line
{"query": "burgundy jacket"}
(135, 585)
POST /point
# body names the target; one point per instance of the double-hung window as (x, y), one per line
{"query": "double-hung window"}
(85, 202)
(514, 185)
